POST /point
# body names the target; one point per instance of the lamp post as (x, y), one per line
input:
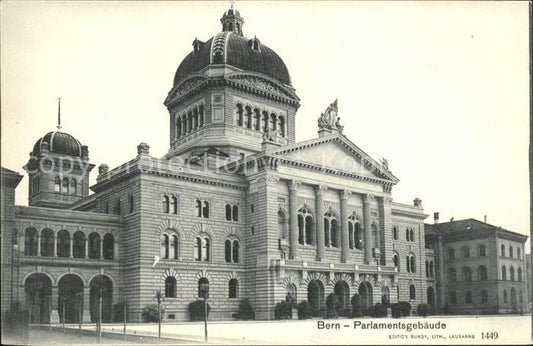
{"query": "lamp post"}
(63, 300)
(80, 312)
(204, 287)
(158, 297)
(100, 292)
(125, 314)
(49, 299)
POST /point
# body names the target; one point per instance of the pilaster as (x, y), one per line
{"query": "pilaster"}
(345, 246)
(367, 201)
(319, 205)
(293, 217)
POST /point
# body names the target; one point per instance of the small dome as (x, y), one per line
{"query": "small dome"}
(58, 143)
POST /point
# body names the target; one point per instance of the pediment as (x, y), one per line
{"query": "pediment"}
(334, 153)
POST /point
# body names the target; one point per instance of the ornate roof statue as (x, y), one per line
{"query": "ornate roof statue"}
(329, 120)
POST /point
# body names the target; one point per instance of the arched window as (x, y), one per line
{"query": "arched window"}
(467, 274)
(117, 208)
(231, 251)
(205, 210)
(504, 273)
(236, 247)
(73, 186)
(330, 230)
(427, 268)
(432, 269)
(505, 299)
(354, 233)
(201, 116)
(482, 251)
(63, 243)
(30, 242)
(518, 252)
(203, 289)
(198, 208)
(164, 246)
(466, 252)
(305, 227)
(519, 274)
(395, 233)
(484, 297)
(235, 213)
(170, 287)
(202, 247)
(240, 115)
(257, 120)
(396, 261)
(57, 184)
(173, 247)
(47, 243)
(521, 297)
(248, 118)
(233, 287)
(410, 263)
(281, 126)
(411, 234)
(413, 264)
(189, 122)
(228, 212)
(503, 250)
(109, 246)
(451, 253)
(78, 247)
(273, 121)
(166, 204)
(511, 273)
(94, 245)
(511, 251)
(407, 264)
(468, 297)
(452, 275)
(412, 292)
(264, 123)
(482, 273)
(227, 250)
(174, 205)
(177, 124)
(64, 186)
(282, 228)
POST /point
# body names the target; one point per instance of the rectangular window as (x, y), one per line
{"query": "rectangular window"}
(252, 208)
(253, 230)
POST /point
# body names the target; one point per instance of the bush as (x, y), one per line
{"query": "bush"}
(406, 308)
(396, 310)
(246, 312)
(118, 312)
(357, 306)
(282, 311)
(422, 310)
(385, 300)
(379, 310)
(196, 310)
(304, 310)
(333, 305)
(150, 313)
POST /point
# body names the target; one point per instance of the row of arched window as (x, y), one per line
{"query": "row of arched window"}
(170, 204)
(306, 229)
(482, 274)
(511, 252)
(409, 234)
(169, 248)
(430, 268)
(513, 296)
(465, 252)
(255, 119)
(189, 121)
(202, 208)
(484, 297)
(171, 287)
(65, 185)
(410, 262)
(117, 207)
(48, 244)
(511, 274)
(232, 212)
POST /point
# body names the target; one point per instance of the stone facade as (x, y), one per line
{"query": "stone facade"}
(235, 202)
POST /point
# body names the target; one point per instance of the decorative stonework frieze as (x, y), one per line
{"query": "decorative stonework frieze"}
(306, 202)
(294, 184)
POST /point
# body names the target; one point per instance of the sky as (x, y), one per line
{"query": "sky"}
(440, 89)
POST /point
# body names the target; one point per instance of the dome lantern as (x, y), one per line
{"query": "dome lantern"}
(232, 21)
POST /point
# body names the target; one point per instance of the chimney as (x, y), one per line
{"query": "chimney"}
(436, 217)
(485, 218)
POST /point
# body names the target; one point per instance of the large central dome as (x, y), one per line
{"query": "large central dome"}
(231, 48)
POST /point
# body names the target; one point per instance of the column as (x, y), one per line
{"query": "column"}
(319, 215)
(345, 246)
(71, 247)
(367, 199)
(101, 243)
(293, 217)
(55, 244)
(87, 304)
(38, 243)
(54, 298)
(86, 247)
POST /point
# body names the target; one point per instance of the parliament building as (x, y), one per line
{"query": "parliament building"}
(238, 204)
